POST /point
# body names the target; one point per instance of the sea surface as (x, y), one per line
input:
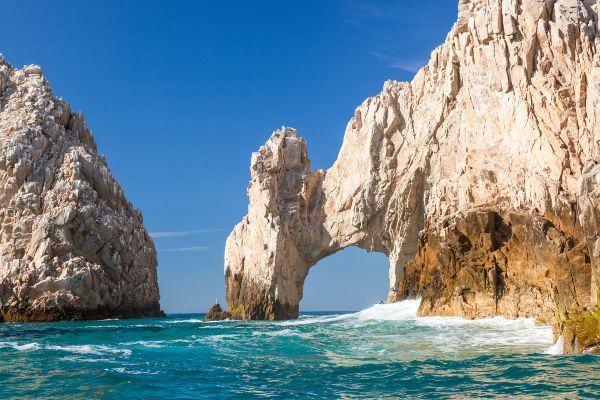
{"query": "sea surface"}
(381, 352)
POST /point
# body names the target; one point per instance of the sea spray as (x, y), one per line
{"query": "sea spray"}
(399, 311)
(557, 348)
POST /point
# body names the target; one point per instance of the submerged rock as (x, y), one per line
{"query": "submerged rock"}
(216, 313)
(480, 179)
(71, 245)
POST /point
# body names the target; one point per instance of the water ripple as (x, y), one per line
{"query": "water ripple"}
(381, 352)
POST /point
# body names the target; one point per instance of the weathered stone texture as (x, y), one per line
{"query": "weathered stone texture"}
(71, 245)
(480, 179)
(216, 313)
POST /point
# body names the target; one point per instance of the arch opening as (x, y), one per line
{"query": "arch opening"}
(351, 279)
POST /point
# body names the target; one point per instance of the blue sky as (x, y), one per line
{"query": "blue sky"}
(179, 93)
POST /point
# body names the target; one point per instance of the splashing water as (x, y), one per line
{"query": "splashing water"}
(382, 352)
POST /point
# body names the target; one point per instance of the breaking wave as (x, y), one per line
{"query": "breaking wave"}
(76, 349)
(402, 310)
(20, 347)
(442, 334)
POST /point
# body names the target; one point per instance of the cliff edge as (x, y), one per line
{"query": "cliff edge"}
(71, 245)
(480, 180)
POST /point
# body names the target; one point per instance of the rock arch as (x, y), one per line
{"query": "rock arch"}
(297, 217)
(479, 179)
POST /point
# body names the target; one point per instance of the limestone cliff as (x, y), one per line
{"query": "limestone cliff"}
(71, 245)
(480, 179)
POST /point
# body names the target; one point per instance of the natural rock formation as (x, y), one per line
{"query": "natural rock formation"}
(480, 179)
(71, 245)
(216, 313)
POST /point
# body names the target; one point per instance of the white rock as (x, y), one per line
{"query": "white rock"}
(71, 245)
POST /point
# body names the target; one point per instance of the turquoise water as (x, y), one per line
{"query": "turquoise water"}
(381, 352)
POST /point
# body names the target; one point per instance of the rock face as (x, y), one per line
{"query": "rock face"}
(480, 179)
(71, 245)
(216, 313)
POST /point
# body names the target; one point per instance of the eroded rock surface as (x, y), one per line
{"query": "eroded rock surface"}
(216, 313)
(480, 179)
(71, 245)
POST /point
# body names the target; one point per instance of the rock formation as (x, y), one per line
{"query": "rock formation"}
(480, 180)
(71, 245)
(216, 313)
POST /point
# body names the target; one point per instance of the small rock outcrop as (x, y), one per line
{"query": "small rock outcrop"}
(480, 180)
(216, 313)
(71, 245)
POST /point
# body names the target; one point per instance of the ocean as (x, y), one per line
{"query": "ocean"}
(382, 352)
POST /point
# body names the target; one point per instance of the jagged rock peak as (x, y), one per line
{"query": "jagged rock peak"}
(480, 180)
(71, 245)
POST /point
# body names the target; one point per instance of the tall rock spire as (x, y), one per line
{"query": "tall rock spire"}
(71, 245)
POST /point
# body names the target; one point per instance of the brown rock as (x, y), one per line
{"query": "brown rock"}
(216, 313)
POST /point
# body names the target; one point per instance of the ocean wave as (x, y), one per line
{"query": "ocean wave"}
(222, 336)
(75, 358)
(147, 343)
(20, 347)
(282, 332)
(308, 320)
(124, 370)
(400, 311)
(219, 321)
(167, 343)
(124, 326)
(102, 326)
(185, 321)
(89, 349)
(492, 322)
(78, 349)
(557, 348)
(447, 334)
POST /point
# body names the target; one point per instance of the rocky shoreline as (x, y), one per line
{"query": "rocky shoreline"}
(70, 314)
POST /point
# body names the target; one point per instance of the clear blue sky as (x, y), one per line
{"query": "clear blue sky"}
(179, 93)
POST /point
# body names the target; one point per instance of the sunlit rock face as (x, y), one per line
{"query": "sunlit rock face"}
(71, 245)
(479, 179)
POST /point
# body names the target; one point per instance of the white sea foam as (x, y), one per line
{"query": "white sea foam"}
(447, 334)
(307, 320)
(102, 327)
(76, 349)
(557, 348)
(185, 321)
(78, 358)
(148, 343)
(20, 347)
(402, 310)
(141, 326)
(218, 322)
(282, 332)
(89, 349)
(27, 346)
(490, 332)
(123, 370)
